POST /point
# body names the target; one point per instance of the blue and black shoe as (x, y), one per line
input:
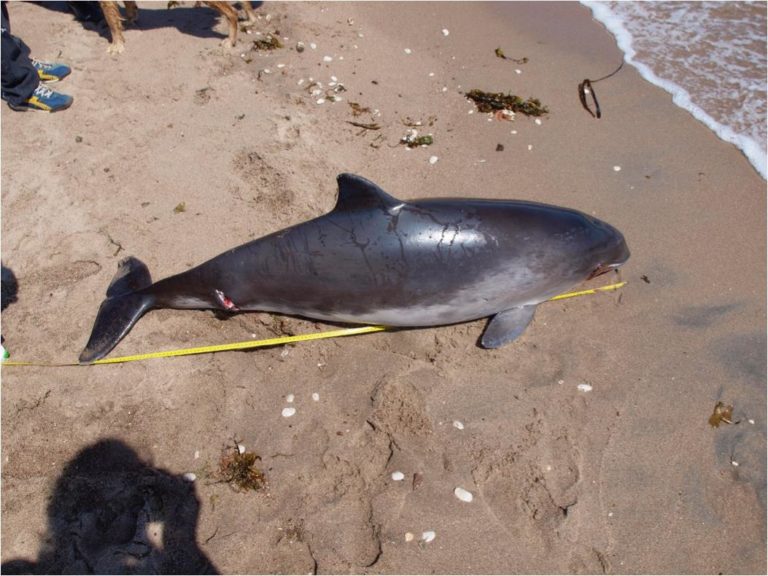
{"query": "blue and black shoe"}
(51, 72)
(44, 99)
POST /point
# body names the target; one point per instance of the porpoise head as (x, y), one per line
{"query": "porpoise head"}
(610, 250)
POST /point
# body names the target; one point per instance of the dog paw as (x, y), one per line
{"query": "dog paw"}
(116, 48)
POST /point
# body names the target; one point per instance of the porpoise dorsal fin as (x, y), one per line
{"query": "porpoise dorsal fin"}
(355, 192)
(507, 326)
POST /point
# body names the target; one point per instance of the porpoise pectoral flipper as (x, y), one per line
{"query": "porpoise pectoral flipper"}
(124, 305)
(507, 326)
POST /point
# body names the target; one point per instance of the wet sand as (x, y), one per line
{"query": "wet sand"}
(628, 477)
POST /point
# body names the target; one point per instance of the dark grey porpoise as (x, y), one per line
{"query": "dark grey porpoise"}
(375, 259)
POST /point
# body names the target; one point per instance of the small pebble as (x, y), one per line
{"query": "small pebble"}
(241, 449)
(463, 495)
(458, 425)
(431, 74)
(190, 477)
(432, 159)
(518, 71)
(290, 398)
(334, 78)
(289, 411)
(408, 536)
(327, 58)
(537, 121)
(513, 132)
(315, 396)
(407, 50)
(445, 88)
(617, 168)
(751, 421)
(197, 454)
(584, 387)
(397, 476)
(446, 32)
(530, 147)
(734, 462)
(299, 46)
(313, 45)
(428, 536)
(300, 82)
(281, 65)
(321, 100)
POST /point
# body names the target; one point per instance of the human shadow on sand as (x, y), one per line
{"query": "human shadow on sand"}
(112, 513)
(198, 21)
(9, 287)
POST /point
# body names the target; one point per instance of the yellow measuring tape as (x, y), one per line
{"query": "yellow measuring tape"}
(248, 344)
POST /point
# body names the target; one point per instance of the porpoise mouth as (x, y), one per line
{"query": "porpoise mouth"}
(603, 268)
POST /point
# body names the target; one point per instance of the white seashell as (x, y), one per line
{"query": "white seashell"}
(458, 425)
(407, 50)
(315, 396)
(321, 100)
(289, 411)
(432, 159)
(537, 121)
(463, 495)
(334, 79)
(313, 45)
(617, 168)
(446, 32)
(327, 58)
(428, 536)
(584, 387)
(241, 449)
(190, 477)
(397, 476)
(530, 146)
(518, 71)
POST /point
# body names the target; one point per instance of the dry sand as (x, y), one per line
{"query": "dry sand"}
(628, 477)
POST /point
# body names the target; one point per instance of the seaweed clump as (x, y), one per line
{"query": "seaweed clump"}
(271, 42)
(239, 470)
(722, 413)
(497, 101)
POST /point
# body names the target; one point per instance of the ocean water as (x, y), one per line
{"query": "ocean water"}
(711, 56)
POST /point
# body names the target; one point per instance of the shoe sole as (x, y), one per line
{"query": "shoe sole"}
(18, 108)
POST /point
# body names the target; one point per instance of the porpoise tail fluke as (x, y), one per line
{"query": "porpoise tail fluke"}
(125, 303)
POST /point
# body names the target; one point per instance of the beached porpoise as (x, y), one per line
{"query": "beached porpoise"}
(378, 260)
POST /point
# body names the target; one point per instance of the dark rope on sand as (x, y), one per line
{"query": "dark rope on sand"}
(587, 85)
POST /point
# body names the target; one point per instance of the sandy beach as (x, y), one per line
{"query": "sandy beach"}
(586, 444)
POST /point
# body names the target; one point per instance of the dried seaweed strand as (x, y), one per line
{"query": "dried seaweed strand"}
(586, 85)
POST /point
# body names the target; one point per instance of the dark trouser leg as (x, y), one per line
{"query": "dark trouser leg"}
(19, 77)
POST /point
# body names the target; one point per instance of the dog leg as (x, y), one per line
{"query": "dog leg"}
(250, 14)
(112, 16)
(131, 12)
(226, 10)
